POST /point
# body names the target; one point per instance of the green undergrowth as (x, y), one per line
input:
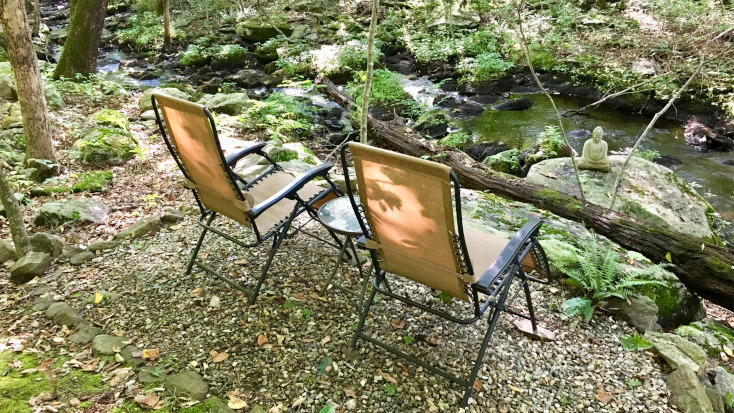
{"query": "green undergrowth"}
(92, 181)
(16, 389)
(281, 116)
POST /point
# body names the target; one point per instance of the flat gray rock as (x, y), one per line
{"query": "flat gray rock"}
(7, 251)
(140, 228)
(81, 258)
(151, 374)
(69, 317)
(42, 303)
(80, 211)
(48, 243)
(127, 354)
(677, 351)
(649, 191)
(641, 312)
(105, 345)
(104, 245)
(30, 266)
(188, 383)
(86, 331)
(56, 308)
(687, 393)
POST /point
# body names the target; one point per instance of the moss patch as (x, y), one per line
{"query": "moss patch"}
(94, 181)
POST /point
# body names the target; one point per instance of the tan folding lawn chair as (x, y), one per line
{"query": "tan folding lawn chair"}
(412, 230)
(267, 204)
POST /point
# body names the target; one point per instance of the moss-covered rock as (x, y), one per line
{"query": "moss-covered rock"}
(146, 104)
(653, 188)
(107, 117)
(258, 33)
(230, 104)
(104, 146)
(93, 181)
(230, 56)
(195, 56)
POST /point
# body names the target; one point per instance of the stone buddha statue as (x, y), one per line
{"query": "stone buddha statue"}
(594, 155)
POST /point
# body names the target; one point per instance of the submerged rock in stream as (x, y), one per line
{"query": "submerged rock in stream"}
(483, 150)
(668, 161)
(517, 104)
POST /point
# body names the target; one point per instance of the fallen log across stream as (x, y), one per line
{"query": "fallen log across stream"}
(705, 268)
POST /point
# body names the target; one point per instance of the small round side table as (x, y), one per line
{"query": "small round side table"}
(338, 216)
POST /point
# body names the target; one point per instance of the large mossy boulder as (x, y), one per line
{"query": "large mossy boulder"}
(146, 104)
(28, 267)
(648, 192)
(78, 211)
(105, 139)
(230, 56)
(710, 335)
(257, 33)
(227, 103)
(687, 393)
(506, 162)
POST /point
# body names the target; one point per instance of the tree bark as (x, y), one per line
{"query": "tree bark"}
(28, 80)
(15, 215)
(704, 268)
(82, 44)
(166, 24)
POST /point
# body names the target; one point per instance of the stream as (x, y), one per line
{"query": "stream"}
(705, 170)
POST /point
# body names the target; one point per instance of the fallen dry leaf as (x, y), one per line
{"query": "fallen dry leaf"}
(514, 388)
(147, 401)
(389, 378)
(151, 354)
(477, 385)
(261, 339)
(75, 402)
(350, 392)
(45, 365)
(278, 408)
(90, 365)
(502, 407)
(196, 291)
(298, 401)
(325, 340)
(399, 324)
(241, 262)
(602, 395)
(98, 297)
(220, 357)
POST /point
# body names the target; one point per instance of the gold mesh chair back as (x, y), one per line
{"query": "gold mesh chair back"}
(407, 203)
(194, 141)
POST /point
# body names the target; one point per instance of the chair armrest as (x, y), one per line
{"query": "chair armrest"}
(289, 191)
(256, 148)
(507, 257)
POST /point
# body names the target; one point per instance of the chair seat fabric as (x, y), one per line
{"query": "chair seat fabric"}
(483, 248)
(268, 186)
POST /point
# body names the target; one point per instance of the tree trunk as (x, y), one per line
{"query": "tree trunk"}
(166, 24)
(15, 215)
(370, 71)
(36, 17)
(28, 80)
(82, 43)
(704, 268)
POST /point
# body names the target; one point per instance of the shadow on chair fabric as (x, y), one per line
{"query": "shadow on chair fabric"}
(267, 204)
(413, 229)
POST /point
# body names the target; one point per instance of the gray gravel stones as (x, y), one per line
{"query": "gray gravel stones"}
(85, 332)
(161, 308)
(30, 266)
(81, 258)
(688, 394)
(105, 345)
(140, 228)
(188, 383)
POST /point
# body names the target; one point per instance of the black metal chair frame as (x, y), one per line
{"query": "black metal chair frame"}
(277, 233)
(495, 283)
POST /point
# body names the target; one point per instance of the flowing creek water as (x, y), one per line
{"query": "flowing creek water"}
(704, 170)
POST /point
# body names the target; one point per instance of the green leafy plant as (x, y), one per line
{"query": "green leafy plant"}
(306, 312)
(577, 306)
(328, 409)
(635, 342)
(632, 383)
(408, 340)
(647, 155)
(456, 139)
(484, 67)
(597, 273)
(389, 389)
(287, 306)
(145, 32)
(446, 298)
(730, 400)
(281, 115)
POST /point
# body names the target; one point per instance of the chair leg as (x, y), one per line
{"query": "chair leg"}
(480, 356)
(339, 260)
(276, 244)
(198, 244)
(531, 311)
(363, 317)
